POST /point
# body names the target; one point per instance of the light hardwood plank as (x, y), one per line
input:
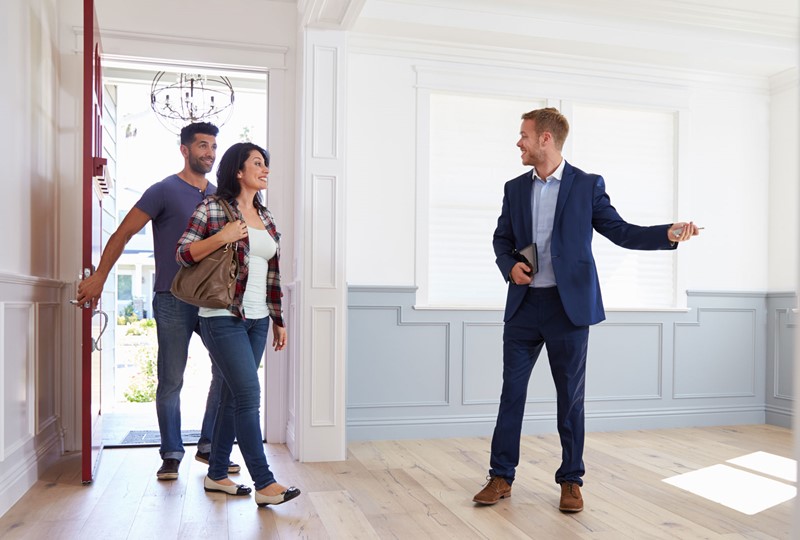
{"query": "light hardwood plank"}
(341, 517)
(414, 490)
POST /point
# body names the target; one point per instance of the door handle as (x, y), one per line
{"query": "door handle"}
(97, 345)
(85, 274)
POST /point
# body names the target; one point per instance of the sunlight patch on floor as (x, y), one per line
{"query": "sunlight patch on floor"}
(740, 490)
(766, 463)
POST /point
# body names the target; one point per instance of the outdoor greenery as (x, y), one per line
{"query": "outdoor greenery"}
(144, 327)
(128, 316)
(142, 387)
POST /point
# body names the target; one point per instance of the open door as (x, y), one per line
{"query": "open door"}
(93, 321)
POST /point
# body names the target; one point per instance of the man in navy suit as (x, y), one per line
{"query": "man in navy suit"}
(556, 206)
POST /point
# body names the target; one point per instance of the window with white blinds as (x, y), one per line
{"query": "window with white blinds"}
(635, 151)
(472, 154)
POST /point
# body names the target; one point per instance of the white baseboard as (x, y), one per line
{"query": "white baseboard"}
(21, 477)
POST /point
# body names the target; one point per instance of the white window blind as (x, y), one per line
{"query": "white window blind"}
(635, 152)
(473, 153)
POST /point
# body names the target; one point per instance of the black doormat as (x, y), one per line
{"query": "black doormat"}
(153, 438)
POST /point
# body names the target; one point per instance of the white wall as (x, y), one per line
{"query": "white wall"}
(728, 189)
(29, 111)
(36, 177)
(784, 188)
(381, 170)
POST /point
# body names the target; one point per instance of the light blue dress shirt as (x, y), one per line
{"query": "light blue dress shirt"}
(544, 196)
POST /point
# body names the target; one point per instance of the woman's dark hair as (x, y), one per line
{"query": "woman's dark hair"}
(231, 163)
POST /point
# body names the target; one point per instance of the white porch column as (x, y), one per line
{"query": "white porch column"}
(320, 294)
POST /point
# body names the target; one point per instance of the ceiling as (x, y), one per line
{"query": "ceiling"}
(730, 36)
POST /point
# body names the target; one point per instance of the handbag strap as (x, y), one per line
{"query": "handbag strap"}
(228, 213)
(226, 208)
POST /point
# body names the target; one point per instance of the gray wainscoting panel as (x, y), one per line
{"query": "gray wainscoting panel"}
(422, 373)
(624, 361)
(716, 356)
(482, 363)
(784, 343)
(391, 363)
(483, 367)
(781, 335)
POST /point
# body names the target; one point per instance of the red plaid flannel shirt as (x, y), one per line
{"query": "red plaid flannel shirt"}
(207, 220)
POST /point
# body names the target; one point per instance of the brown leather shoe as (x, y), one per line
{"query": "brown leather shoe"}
(496, 488)
(571, 499)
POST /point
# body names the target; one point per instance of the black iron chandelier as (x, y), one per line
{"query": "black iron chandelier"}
(191, 98)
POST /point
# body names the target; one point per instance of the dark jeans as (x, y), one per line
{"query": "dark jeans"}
(175, 323)
(236, 348)
(541, 320)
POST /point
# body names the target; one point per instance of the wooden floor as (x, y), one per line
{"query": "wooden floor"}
(413, 489)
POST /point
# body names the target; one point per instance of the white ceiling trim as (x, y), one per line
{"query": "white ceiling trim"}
(332, 14)
(503, 58)
(168, 50)
(616, 30)
(776, 18)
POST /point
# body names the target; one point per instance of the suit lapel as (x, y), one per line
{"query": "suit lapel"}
(527, 210)
(563, 191)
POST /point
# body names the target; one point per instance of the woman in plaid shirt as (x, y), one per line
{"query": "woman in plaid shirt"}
(236, 337)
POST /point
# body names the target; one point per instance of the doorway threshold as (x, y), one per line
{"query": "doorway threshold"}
(149, 438)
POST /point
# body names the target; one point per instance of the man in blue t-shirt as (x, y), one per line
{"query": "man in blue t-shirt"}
(169, 204)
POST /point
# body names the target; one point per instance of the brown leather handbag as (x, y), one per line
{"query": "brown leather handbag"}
(211, 283)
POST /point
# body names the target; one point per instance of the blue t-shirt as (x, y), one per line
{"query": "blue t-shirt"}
(170, 203)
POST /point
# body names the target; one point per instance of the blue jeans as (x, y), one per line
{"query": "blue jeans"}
(175, 323)
(236, 348)
(541, 320)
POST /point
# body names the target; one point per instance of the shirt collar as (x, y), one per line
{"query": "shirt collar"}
(556, 174)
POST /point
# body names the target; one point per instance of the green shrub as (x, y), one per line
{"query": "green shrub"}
(142, 327)
(128, 315)
(142, 388)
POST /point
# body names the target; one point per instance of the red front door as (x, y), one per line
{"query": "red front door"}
(92, 321)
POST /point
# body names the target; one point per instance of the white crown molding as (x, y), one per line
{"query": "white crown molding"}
(504, 57)
(745, 17)
(614, 30)
(178, 40)
(785, 80)
(775, 18)
(118, 44)
(331, 14)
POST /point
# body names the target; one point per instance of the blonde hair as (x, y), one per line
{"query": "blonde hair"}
(549, 119)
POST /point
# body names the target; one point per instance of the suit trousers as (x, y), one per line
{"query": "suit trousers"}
(541, 320)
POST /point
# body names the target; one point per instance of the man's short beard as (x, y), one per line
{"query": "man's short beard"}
(197, 166)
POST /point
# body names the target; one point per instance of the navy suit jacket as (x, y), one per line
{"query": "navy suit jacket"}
(582, 206)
